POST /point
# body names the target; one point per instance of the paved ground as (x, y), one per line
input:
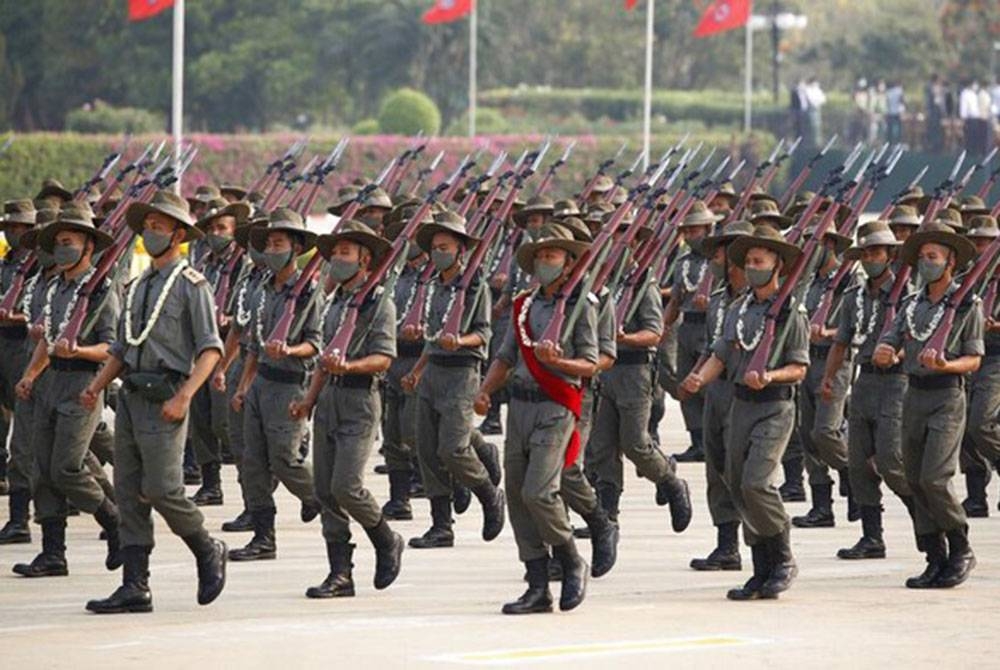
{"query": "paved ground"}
(444, 609)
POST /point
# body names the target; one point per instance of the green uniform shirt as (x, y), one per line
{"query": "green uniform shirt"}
(741, 330)
(862, 315)
(375, 331)
(267, 308)
(62, 291)
(477, 303)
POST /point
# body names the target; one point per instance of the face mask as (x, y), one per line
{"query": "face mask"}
(718, 271)
(340, 270)
(257, 257)
(874, 268)
(413, 251)
(695, 245)
(533, 233)
(45, 258)
(442, 260)
(66, 256)
(930, 272)
(546, 273)
(156, 243)
(759, 278)
(12, 239)
(218, 243)
(276, 261)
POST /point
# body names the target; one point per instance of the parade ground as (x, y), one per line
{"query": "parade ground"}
(444, 610)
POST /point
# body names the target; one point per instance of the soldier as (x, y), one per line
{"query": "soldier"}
(622, 422)
(209, 413)
(601, 193)
(685, 304)
(981, 444)
(874, 433)
(541, 433)
(934, 406)
(167, 347)
(275, 374)
(58, 371)
(372, 212)
(446, 377)
(718, 399)
(349, 408)
(763, 408)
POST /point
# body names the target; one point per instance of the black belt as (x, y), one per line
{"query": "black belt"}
(766, 394)
(819, 350)
(279, 376)
(409, 349)
(73, 365)
(869, 369)
(634, 358)
(695, 317)
(455, 361)
(528, 394)
(935, 382)
(353, 381)
(992, 349)
(15, 332)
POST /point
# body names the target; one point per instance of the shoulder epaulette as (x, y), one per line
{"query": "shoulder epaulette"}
(193, 276)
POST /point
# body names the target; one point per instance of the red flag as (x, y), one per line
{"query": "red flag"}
(723, 15)
(630, 4)
(140, 10)
(445, 11)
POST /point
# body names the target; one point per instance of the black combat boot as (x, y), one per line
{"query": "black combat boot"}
(107, 517)
(961, 560)
(243, 523)
(398, 506)
(461, 498)
(821, 514)
(603, 542)
(783, 567)
(792, 489)
(339, 583)
(210, 556)
(725, 556)
(52, 561)
(609, 496)
(936, 548)
(210, 493)
(675, 492)
(695, 453)
(537, 599)
(761, 571)
(309, 510)
(388, 553)
(575, 575)
(853, 509)
(871, 544)
(440, 533)
(134, 594)
(17, 530)
(489, 456)
(975, 503)
(262, 545)
(494, 510)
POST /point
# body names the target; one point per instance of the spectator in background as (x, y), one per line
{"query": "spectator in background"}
(880, 106)
(895, 106)
(995, 99)
(861, 119)
(797, 107)
(816, 99)
(975, 117)
(935, 111)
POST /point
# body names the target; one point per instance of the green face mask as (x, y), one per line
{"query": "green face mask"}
(66, 256)
(930, 272)
(442, 260)
(718, 271)
(874, 268)
(45, 258)
(759, 278)
(546, 273)
(412, 251)
(257, 257)
(340, 270)
(218, 243)
(156, 244)
(276, 261)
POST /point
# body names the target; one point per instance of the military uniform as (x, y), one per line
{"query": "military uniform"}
(14, 337)
(981, 444)
(688, 274)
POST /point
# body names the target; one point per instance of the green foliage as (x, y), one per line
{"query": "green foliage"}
(488, 122)
(408, 112)
(365, 127)
(103, 118)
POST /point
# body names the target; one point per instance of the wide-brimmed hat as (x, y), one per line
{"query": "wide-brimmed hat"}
(550, 237)
(935, 232)
(575, 226)
(242, 234)
(766, 212)
(951, 217)
(357, 232)
(538, 204)
(43, 218)
(563, 208)
(233, 191)
(700, 215)
(619, 196)
(841, 242)
(18, 211)
(446, 222)
(396, 220)
(642, 235)
(203, 195)
(169, 204)
(971, 205)
(982, 226)
(760, 195)
(799, 203)
(53, 188)
(767, 237)
(730, 232)
(911, 197)
(872, 234)
(222, 207)
(283, 220)
(377, 197)
(905, 215)
(76, 217)
(727, 190)
(603, 184)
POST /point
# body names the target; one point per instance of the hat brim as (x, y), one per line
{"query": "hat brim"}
(24, 219)
(780, 221)
(242, 233)
(706, 220)
(854, 253)
(526, 252)
(521, 216)
(135, 217)
(258, 236)
(964, 250)
(427, 231)
(713, 242)
(46, 237)
(54, 192)
(239, 210)
(843, 243)
(375, 244)
(789, 253)
(234, 191)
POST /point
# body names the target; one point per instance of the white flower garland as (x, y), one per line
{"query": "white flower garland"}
(861, 336)
(720, 318)
(444, 317)
(401, 315)
(522, 319)
(740, 328)
(242, 313)
(47, 332)
(29, 289)
(326, 311)
(135, 341)
(911, 311)
(685, 268)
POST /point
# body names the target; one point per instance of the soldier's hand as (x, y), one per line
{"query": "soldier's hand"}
(932, 359)
(756, 381)
(276, 349)
(498, 281)
(413, 332)
(63, 349)
(884, 356)
(548, 351)
(299, 409)
(409, 382)
(826, 389)
(691, 386)
(449, 342)
(23, 388)
(481, 405)
(815, 333)
(88, 398)
(237, 402)
(219, 381)
(175, 409)
(700, 302)
(224, 320)
(36, 332)
(992, 324)
(334, 364)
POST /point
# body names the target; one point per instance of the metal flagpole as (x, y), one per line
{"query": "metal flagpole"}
(748, 77)
(473, 29)
(647, 103)
(177, 100)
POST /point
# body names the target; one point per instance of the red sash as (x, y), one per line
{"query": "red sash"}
(557, 389)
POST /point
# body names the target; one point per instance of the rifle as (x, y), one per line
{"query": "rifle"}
(987, 186)
(887, 210)
(425, 172)
(467, 164)
(800, 179)
(765, 183)
(275, 169)
(476, 183)
(123, 174)
(551, 172)
(833, 178)
(400, 165)
(748, 190)
(602, 170)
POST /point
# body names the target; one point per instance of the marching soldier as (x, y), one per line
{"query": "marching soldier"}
(763, 408)
(167, 346)
(372, 212)
(275, 374)
(935, 404)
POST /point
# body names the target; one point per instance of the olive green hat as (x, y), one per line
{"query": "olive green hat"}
(222, 207)
(700, 215)
(765, 211)
(550, 237)
(872, 234)
(203, 195)
(76, 217)
(538, 204)
(53, 188)
(377, 197)
(937, 232)
(169, 204)
(982, 226)
(357, 232)
(283, 220)
(951, 217)
(446, 222)
(905, 215)
(730, 232)
(767, 237)
(43, 218)
(18, 211)
(580, 231)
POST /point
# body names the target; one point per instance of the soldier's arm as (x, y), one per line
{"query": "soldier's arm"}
(496, 379)
(39, 361)
(834, 360)
(706, 374)
(479, 335)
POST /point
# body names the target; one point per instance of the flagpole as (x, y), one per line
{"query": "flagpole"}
(473, 30)
(647, 103)
(177, 100)
(748, 77)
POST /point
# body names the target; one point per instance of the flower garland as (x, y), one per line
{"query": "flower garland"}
(130, 338)
(47, 332)
(242, 313)
(911, 311)
(447, 310)
(685, 269)
(29, 289)
(740, 328)
(861, 336)
(401, 315)
(522, 319)
(332, 298)
(720, 318)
